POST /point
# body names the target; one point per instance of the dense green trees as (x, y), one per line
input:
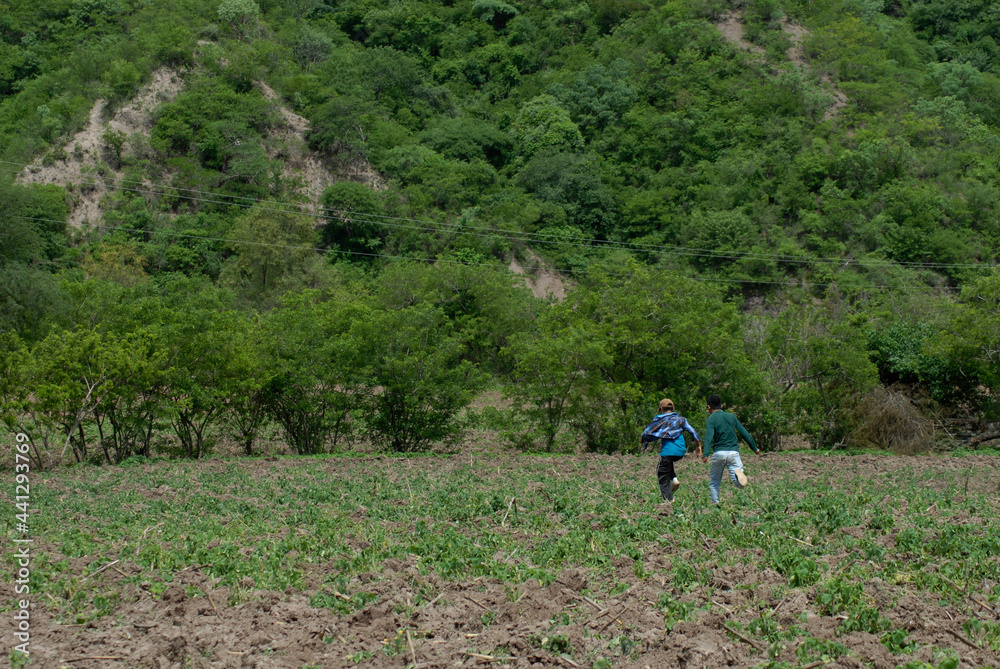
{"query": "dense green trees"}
(977, 340)
(271, 249)
(354, 216)
(142, 362)
(415, 375)
(600, 360)
(32, 244)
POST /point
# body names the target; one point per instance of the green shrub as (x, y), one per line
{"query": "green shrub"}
(123, 78)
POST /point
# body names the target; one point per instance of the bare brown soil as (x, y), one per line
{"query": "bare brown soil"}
(731, 27)
(308, 171)
(280, 629)
(544, 282)
(795, 33)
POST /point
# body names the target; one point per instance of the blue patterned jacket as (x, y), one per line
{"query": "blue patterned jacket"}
(669, 427)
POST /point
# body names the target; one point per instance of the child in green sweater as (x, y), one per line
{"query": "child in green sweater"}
(722, 443)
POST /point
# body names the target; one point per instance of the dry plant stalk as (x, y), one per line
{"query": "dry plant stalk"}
(889, 420)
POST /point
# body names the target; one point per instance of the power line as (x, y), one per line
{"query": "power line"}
(432, 226)
(584, 242)
(563, 273)
(435, 226)
(479, 231)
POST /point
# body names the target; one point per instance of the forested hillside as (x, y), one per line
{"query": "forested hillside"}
(222, 220)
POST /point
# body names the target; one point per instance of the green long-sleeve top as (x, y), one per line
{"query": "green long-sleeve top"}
(721, 430)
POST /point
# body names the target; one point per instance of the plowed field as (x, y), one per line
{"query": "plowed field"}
(515, 560)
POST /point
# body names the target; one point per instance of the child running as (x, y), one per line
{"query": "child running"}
(668, 427)
(721, 430)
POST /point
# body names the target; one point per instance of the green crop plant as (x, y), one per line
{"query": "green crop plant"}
(674, 611)
(684, 576)
(552, 642)
(897, 641)
(816, 650)
(842, 596)
(361, 656)
(796, 564)
(621, 645)
(943, 661)
(910, 540)
(342, 603)
(767, 627)
(396, 645)
(881, 520)
(990, 634)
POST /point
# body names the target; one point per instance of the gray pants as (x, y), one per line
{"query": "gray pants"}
(722, 460)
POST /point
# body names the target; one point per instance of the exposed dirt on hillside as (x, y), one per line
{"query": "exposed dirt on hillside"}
(79, 167)
(543, 281)
(86, 166)
(136, 116)
(87, 149)
(839, 98)
(731, 27)
(311, 173)
(482, 622)
(795, 33)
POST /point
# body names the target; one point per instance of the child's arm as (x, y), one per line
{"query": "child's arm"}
(746, 437)
(690, 428)
(646, 437)
(694, 433)
(706, 446)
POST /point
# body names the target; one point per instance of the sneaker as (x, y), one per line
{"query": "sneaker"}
(741, 477)
(668, 496)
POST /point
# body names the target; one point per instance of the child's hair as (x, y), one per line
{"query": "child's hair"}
(714, 402)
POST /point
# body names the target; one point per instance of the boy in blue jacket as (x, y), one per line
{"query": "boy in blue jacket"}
(668, 426)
